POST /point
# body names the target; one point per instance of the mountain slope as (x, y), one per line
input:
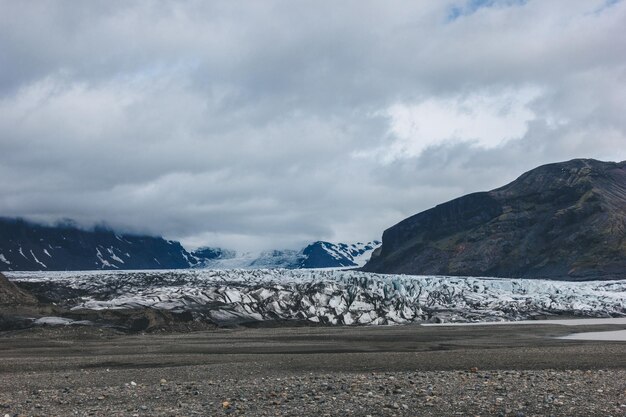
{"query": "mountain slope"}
(10, 294)
(30, 247)
(560, 221)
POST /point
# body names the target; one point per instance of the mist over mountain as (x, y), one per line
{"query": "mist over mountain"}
(319, 254)
(26, 246)
(559, 221)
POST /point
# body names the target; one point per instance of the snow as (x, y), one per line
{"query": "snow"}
(357, 253)
(348, 255)
(332, 251)
(342, 297)
(53, 321)
(103, 261)
(37, 260)
(60, 321)
(365, 250)
(47, 253)
(253, 260)
(114, 256)
(3, 259)
(117, 258)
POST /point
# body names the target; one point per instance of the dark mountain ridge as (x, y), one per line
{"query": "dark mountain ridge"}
(559, 221)
(26, 246)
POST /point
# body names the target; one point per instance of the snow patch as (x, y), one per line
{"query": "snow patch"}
(114, 256)
(37, 260)
(60, 321)
(104, 263)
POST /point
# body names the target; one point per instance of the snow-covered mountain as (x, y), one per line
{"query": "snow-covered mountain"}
(26, 246)
(324, 296)
(316, 255)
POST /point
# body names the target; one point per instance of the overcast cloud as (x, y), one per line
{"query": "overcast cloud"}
(270, 124)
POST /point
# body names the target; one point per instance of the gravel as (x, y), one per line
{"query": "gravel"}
(436, 393)
(382, 371)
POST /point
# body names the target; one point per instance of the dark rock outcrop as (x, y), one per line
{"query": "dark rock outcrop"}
(559, 221)
(11, 295)
(25, 246)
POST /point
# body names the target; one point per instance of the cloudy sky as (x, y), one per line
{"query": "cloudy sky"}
(269, 124)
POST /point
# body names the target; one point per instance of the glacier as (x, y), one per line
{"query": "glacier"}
(333, 297)
(316, 255)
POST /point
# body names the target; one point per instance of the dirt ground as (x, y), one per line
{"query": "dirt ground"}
(517, 370)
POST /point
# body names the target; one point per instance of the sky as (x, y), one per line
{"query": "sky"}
(271, 124)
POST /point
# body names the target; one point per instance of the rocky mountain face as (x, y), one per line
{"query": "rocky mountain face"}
(564, 221)
(316, 255)
(30, 247)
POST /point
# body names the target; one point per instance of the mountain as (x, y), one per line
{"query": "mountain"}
(563, 221)
(334, 255)
(316, 255)
(25, 246)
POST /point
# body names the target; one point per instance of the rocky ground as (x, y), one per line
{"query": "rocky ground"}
(382, 371)
(429, 393)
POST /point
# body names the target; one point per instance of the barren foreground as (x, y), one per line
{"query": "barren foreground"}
(313, 371)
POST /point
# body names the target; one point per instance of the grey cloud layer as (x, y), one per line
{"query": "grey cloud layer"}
(265, 124)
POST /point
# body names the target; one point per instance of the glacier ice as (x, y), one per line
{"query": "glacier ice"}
(327, 296)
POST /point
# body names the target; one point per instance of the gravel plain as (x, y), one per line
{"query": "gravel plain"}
(312, 371)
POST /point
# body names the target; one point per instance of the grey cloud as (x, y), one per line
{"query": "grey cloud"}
(242, 123)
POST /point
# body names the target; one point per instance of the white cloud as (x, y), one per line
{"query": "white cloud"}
(483, 119)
